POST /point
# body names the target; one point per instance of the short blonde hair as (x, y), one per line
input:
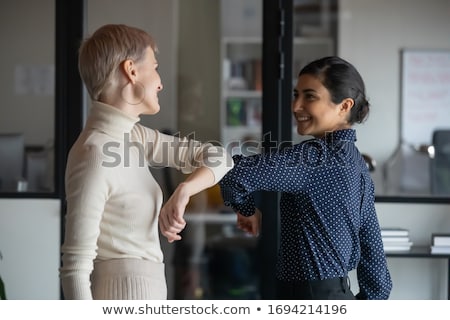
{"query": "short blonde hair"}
(101, 54)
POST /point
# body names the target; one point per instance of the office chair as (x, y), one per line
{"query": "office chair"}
(440, 163)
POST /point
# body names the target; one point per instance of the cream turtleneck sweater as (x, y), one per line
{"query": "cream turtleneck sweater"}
(113, 201)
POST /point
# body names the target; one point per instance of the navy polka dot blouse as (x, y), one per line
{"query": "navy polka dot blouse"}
(328, 220)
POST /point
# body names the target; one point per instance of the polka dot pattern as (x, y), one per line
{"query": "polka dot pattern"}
(329, 225)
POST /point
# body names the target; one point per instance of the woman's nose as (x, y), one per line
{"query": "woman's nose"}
(296, 105)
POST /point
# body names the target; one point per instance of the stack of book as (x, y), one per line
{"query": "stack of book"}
(440, 243)
(395, 239)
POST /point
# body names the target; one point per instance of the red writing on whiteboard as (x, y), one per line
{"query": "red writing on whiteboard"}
(428, 77)
(422, 116)
(427, 61)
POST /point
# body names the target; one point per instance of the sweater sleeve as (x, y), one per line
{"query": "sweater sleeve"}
(86, 194)
(184, 154)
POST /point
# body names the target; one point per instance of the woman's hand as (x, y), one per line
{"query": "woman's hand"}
(250, 224)
(171, 221)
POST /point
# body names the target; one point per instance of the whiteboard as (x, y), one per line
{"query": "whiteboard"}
(425, 94)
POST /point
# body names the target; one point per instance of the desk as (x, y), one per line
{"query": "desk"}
(423, 252)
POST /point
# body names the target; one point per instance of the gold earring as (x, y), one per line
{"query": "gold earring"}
(138, 90)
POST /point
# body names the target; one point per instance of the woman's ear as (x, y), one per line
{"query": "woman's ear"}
(129, 70)
(346, 105)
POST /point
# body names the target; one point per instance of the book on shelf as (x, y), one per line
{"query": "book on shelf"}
(440, 239)
(393, 239)
(243, 74)
(397, 246)
(253, 111)
(257, 74)
(236, 113)
(394, 232)
(243, 112)
(440, 249)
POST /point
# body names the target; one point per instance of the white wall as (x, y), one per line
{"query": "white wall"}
(371, 35)
(30, 245)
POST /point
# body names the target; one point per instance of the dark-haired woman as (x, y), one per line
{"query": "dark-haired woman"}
(329, 225)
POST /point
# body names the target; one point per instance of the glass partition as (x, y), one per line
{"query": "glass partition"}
(27, 88)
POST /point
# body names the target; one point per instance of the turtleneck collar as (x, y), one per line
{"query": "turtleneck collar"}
(110, 120)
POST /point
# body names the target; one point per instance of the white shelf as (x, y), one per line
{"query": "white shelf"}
(210, 217)
(242, 40)
(246, 94)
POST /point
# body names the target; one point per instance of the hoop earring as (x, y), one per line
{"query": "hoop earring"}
(138, 90)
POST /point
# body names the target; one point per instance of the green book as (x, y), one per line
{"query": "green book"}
(236, 115)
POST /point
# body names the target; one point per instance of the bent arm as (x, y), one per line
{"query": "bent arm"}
(282, 171)
(171, 219)
(206, 165)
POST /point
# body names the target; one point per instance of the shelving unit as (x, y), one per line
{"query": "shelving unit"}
(423, 252)
(241, 85)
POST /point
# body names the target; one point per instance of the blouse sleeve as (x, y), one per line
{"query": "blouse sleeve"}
(373, 275)
(282, 171)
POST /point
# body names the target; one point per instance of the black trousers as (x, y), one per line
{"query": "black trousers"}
(328, 289)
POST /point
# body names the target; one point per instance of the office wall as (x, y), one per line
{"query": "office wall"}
(30, 243)
(371, 35)
(199, 64)
(27, 69)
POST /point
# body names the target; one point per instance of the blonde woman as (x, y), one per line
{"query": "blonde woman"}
(111, 248)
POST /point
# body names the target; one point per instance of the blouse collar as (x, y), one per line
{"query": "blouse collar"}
(340, 135)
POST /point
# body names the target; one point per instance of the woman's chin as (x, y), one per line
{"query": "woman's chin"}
(154, 109)
(301, 130)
